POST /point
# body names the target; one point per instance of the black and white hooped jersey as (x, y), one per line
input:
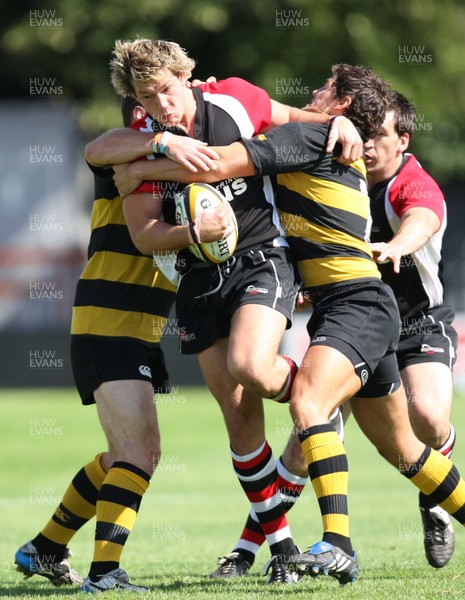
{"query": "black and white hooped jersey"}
(228, 111)
(419, 284)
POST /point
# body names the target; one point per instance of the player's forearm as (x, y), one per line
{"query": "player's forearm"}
(283, 113)
(150, 234)
(158, 236)
(118, 146)
(308, 116)
(234, 161)
(416, 228)
(163, 169)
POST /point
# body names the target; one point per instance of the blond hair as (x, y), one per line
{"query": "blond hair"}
(146, 60)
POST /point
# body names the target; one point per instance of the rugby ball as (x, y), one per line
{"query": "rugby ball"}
(195, 199)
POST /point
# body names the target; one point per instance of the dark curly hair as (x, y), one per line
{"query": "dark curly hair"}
(369, 93)
(405, 112)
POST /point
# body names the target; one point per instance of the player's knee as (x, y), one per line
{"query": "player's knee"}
(432, 428)
(248, 373)
(307, 410)
(300, 404)
(302, 413)
(238, 367)
(435, 435)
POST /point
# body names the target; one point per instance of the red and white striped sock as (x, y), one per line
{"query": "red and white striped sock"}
(258, 476)
(448, 446)
(290, 485)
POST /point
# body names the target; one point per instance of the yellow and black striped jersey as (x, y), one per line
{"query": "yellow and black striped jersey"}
(120, 294)
(324, 205)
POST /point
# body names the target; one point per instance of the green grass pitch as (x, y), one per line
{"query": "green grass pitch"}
(194, 509)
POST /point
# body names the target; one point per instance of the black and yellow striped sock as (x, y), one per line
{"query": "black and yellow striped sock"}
(438, 478)
(75, 509)
(117, 505)
(446, 449)
(329, 472)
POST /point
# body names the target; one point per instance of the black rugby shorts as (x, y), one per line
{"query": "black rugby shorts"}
(208, 296)
(96, 361)
(362, 321)
(428, 337)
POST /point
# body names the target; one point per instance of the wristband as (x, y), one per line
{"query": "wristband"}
(159, 142)
(193, 233)
(162, 145)
(156, 142)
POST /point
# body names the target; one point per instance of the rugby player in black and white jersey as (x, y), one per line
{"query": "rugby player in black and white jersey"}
(409, 220)
(354, 328)
(234, 332)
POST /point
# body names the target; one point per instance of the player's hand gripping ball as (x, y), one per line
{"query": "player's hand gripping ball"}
(195, 200)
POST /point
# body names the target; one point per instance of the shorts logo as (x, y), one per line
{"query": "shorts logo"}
(430, 349)
(187, 337)
(364, 376)
(145, 371)
(251, 289)
(320, 338)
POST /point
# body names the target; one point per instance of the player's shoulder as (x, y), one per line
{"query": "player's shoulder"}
(413, 165)
(317, 129)
(412, 169)
(229, 85)
(314, 134)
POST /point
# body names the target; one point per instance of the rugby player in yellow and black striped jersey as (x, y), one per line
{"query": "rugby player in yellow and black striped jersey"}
(120, 295)
(121, 305)
(354, 327)
(324, 208)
